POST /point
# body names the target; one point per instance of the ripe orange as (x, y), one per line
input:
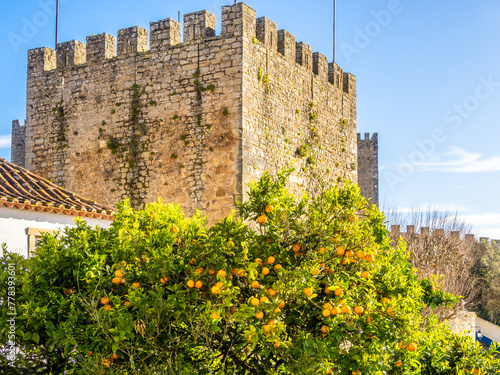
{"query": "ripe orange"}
(277, 344)
(119, 273)
(211, 272)
(271, 260)
(264, 299)
(175, 229)
(324, 329)
(104, 300)
(370, 258)
(308, 291)
(365, 274)
(369, 319)
(222, 273)
(476, 371)
(269, 208)
(190, 283)
(259, 314)
(326, 313)
(345, 261)
(340, 250)
(215, 289)
(321, 250)
(127, 304)
(411, 347)
(401, 346)
(114, 356)
(116, 280)
(262, 219)
(163, 280)
(254, 284)
(230, 243)
(338, 292)
(277, 267)
(107, 307)
(136, 285)
(192, 261)
(282, 304)
(198, 284)
(334, 311)
(271, 292)
(327, 290)
(398, 363)
(296, 247)
(105, 363)
(276, 310)
(385, 301)
(265, 271)
(361, 254)
(345, 309)
(255, 301)
(199, 270)
(359, 310)
(327, 305)
(389, 311)
(335, 240)
(349, 253)
(215, 316)
(314, 271)
(266, 328)
(90, 352)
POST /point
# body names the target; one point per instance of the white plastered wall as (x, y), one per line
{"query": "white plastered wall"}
(15, 224)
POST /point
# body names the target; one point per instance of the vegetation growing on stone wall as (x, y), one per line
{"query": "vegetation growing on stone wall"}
(62, 126)
(303, 286)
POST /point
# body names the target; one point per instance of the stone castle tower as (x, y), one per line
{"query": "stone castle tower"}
(193, 121)
(368, 167)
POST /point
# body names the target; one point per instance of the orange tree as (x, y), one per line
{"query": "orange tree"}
(295, 286)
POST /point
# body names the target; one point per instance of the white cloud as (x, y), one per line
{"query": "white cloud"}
(4, 141)
(458, 160)
(485, 224)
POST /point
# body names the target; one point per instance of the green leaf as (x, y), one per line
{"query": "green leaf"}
(35, 337)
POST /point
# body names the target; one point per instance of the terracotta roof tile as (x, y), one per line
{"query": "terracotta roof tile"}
(23, 189)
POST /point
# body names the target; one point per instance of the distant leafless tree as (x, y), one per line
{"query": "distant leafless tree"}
(437, 253)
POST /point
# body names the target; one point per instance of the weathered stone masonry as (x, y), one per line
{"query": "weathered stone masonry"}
(190, 122)
(368, 167)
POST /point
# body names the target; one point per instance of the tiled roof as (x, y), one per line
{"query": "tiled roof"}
(22, 189)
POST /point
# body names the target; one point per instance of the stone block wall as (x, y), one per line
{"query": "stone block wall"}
(190, 122)
(18, 147)
(368, 167)
(296, 111)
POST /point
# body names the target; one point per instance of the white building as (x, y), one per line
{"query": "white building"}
(30, 205)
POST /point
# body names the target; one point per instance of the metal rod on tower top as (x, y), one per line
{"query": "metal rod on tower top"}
(57, 19)
(179, 15)
(334, 26)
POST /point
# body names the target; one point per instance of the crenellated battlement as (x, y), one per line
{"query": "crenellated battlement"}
(425, 231)
(183, 113)
(237, 20)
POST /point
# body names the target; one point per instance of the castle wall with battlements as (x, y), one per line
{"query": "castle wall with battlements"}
(147, 116)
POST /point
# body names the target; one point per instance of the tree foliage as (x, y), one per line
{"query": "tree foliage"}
(307, 285)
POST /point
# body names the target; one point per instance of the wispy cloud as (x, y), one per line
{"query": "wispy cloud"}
(4, 141)
(458, 160)
(485, 224)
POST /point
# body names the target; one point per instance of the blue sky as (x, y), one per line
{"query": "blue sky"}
(428, 76)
